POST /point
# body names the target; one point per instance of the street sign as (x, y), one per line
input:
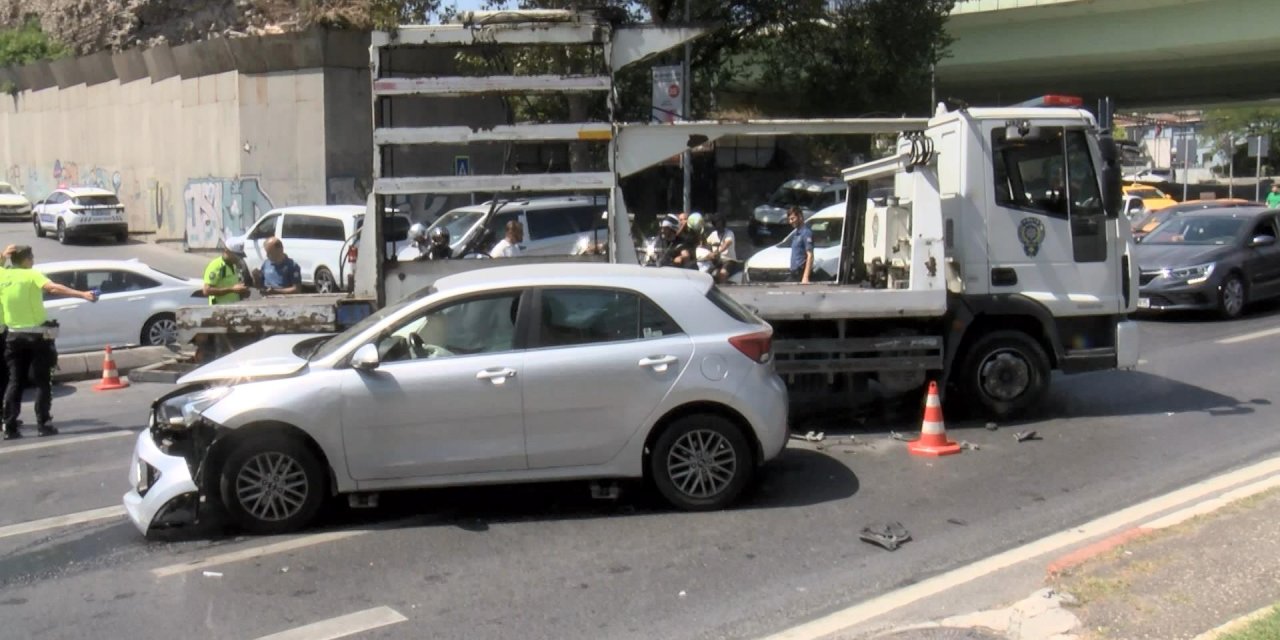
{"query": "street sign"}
(668, 99)
(462, 165)
(1258, 146)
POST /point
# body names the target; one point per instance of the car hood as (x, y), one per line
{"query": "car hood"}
(776, 257)
(10, 199)
(268, 358)
(1161, 256)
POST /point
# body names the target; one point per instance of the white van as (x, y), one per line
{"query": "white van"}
(316, 238)
(552, 226)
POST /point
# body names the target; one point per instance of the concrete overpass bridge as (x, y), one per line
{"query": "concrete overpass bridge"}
(1142, 53)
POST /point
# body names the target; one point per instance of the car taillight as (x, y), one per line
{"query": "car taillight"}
(352, 252)
(757, 346)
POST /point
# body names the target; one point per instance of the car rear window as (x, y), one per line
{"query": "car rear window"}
(732, 307)
(97, 201)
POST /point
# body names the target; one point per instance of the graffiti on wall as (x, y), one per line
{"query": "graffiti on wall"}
(218, 207)
(347, 190)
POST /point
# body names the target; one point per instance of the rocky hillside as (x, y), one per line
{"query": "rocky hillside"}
(92, 25)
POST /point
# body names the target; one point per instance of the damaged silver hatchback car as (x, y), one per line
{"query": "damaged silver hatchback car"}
(500, 375)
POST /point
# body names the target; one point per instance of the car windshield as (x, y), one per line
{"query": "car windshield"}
(328, 347)
(826, 233)
(458, 223)
(796, 197)
(6, 190)
(1196, 230)
(97, 201)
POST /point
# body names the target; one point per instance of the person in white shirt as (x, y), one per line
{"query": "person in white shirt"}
(509, 247)
(723, 253)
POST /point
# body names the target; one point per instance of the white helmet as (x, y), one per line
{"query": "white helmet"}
(418, 231)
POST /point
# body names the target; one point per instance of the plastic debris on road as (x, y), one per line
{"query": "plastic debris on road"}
(213, 574)
(890, 535)
(1023, 436)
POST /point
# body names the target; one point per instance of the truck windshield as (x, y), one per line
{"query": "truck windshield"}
(328, 347)
(796, 197)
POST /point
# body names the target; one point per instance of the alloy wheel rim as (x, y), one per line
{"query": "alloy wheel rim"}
(324, 284)
(1233, 296)
(272, 486)
(1004, 375)
(702, 463)
(163, 332)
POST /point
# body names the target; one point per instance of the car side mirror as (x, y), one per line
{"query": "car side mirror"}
(1262, 241)
(366, 358)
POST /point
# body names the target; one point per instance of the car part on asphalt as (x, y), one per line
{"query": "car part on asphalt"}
(1023, 436)
(890, 536)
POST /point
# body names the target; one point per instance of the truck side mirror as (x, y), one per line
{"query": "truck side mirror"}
(1112, 196)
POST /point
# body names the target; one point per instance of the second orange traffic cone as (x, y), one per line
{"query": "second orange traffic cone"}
(110, 376)
(933, 431)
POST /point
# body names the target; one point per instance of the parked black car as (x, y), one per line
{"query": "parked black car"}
(1219, 259)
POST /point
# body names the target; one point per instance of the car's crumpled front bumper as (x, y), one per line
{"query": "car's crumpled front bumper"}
(162, 492)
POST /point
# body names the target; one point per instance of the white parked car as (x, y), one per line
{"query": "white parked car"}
(510, 374)
(13, 205)
(77, 212)
(554, 226)
(136, 303)
(773, 264)
(316, 237)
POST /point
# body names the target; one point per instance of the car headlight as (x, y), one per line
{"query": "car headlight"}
(1193, 275)
(183, 411)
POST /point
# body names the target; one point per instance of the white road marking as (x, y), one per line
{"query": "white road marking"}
(1250, 336)
(341, 626)
(62, 441)
(57, 522)
(256, 552)
(28, 481)
(880, 605)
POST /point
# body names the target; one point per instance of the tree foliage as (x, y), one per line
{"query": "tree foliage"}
(27, 43)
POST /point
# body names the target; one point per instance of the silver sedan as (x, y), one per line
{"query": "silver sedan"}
(507, 374)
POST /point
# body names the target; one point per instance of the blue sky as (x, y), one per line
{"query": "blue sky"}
(467, 5)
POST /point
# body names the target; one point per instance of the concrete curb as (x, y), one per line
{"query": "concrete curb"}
(88, 365)
(1237, 624)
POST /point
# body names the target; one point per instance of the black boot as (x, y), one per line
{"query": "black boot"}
(46, 429)
(11, 432)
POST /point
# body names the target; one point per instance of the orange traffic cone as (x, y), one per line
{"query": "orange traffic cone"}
(110, 376)
(933, 432)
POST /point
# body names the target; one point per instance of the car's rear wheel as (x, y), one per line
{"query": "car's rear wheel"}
(701, 462)
(1232, 296)
(62, 232)
(272, 484)
(325, 282)
(160, 330)
(35, 221)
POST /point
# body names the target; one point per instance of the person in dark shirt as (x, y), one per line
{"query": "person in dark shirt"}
(674, 249)
(801, 247)
(280, 274)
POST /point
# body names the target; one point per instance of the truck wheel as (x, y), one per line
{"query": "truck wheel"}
(701, 462)
(272, 484)
(35, 220)
(1005, 373)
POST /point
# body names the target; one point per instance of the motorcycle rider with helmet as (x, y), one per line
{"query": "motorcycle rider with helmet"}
(426, 244)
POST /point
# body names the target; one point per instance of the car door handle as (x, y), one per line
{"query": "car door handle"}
(496, 376)
(658, 363)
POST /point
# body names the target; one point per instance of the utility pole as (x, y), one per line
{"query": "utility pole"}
(1186, 162)
(1257, 173)
(686, 160)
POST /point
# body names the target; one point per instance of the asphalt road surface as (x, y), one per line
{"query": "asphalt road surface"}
(547, 561)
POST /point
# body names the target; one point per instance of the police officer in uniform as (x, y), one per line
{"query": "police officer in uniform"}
(28, 344)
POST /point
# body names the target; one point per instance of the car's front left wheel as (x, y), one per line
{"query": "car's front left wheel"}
(272, 483)
(701, 462)
(35, 221)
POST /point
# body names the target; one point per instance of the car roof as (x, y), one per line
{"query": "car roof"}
(324, 210)
(62, 265)
(572, 274)
(535, 204)
(1232, 212)
(87, 191)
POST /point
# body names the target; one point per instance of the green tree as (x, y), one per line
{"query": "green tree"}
(26, 43)
(1232, 125)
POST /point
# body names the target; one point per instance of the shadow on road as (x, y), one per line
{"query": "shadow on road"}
(1133, 393)
(1255, 311)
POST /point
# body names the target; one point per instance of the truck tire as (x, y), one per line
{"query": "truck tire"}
(1004, 374)
(272, 484)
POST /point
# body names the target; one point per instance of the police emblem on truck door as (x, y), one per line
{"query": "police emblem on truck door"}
(1031, 233)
